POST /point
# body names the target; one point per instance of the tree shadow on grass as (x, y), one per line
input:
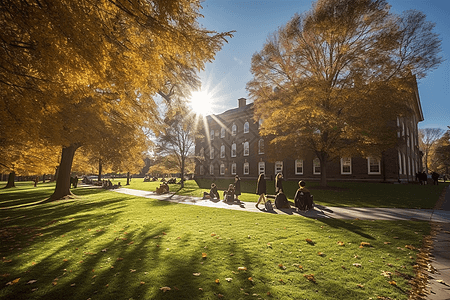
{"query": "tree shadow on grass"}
(336, 223)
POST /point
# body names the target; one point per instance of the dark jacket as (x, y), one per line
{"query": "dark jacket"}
(237, 187)
(261, 186)
(278, 185)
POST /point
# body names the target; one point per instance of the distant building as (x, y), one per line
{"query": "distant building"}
(233, 146)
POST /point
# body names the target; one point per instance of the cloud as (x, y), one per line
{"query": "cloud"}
(239, 61)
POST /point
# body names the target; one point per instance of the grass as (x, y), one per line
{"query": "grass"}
(346, 194)
(106, 245)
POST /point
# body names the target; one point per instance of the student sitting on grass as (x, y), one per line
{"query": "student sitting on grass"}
(213, 193)
(228, 195)
(303, 199)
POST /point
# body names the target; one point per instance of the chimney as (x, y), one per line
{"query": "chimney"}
(242, 102)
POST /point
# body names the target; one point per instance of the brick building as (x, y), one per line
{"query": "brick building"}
(233, 146)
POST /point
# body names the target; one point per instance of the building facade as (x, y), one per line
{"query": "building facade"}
(232, 146)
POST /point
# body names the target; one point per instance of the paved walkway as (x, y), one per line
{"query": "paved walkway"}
(439, 282)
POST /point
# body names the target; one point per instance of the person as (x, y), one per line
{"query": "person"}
(278, 183)
(303, 198)
(36, 180)
(435, 177)
(281, 201)
(213, 193)
(261, 189)
(228, 195)
(237, 187)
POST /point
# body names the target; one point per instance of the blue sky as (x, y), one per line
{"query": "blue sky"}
(253, 21)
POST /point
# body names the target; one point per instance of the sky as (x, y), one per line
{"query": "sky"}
(253, 21)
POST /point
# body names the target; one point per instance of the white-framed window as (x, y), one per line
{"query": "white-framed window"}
(400, 169)
(346, 165)
(407, 136)
(398, 127)
(222, 169)
(278, 167)
(261, 167)
(222, 151)
(233, 129)
(211, 153)
(222, 132)
(261, 146)
(246, 127)
(246, 168)
(233, 149)
(246, 149)
(211, 169)
(299, 166)
(404, 163)
(202, 170)
(233, 169)
(409, 166)
(316, 166)
(373, 165)
(211, 134)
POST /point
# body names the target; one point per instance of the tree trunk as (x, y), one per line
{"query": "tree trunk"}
(323, 169)
(11, 178)
(99, 178)
(182, 173)
(43, 178)
(62, 188)
(128, 178)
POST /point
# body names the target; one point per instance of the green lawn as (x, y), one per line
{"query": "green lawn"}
(106, 245)
(350, 194)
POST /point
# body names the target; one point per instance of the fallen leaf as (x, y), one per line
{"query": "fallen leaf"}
(360, 286)
(387, 243)
(73, 284)
(228, 279)
(309, 241)
(132, 271)
(365, 244)
(13, 282)
(410, 247)
(392, 282)
(320, 253)
(357, 265)
(213, 234)
(119, 258)
(282, 267)
(310, 277)
(164, 289)
(242, 268)
(31, 281)
(341, 243)
(217, 281)
(142, 282)
(386, 274)
(196, 274)
(200, 289)
(54, 283)
(204, 255)
(343, 267)
(250, 279)
(331, 259)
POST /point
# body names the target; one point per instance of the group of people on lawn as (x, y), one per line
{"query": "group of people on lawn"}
(303, 199)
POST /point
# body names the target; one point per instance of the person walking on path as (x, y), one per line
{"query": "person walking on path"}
(279, 183)
(237, 187)
(261, 189)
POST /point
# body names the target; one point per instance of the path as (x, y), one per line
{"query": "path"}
(441, 243)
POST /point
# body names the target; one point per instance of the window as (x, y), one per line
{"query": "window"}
(278, 167)
(233, 129)
(246, 149)
(211, 169)
(398, 127)
(260, 122)
(202, 152)
(246, 127)
(400, 170)
(346, 165)
(233, 169)
(407, 136)
(373, 165)
(409, 166)
(202, 171)
(404, 164)
(233, 150)
(298, 166)
(212, 134)
(246, 168)
(261, 146)
(316, 166)
(211, 153)
(222, 169)
(222, 132)
(222, 151)
(261, 167)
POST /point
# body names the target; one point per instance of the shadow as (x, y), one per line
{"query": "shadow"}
(323, 208)
(337, 223)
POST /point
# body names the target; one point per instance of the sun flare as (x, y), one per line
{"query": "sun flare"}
(201, 103)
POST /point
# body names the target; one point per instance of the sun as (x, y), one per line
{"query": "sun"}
(201, 103)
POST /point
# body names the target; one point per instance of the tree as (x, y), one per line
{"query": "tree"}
(73, 70)
(320, 78)
(428, 139)
(438, 155)
(178, 138)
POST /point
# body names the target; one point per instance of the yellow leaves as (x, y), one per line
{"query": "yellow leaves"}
(341, 243)
(310, 277)
(217, 281)
(250, 279)
(410, 247)
(392, 282)
(309, 241)
(13, 282)
(213, 234)
(165, 289)
(320, 253)
(364, 244)
(386, 274)
(282, 267)
(242, 268)
(360, 286)
(204, 255)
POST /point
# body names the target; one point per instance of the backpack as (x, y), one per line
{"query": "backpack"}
(281, 201)
(268, 205)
